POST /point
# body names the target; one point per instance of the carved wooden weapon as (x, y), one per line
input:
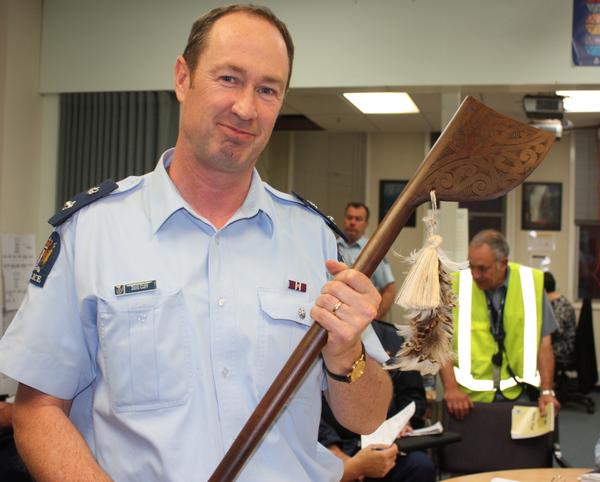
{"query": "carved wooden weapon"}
(480, 155)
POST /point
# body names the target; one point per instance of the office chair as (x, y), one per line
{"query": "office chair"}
(486, 444)
(575, 381)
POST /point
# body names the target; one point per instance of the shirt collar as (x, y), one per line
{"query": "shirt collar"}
(164, 199)
(360, 242)
(258, 204)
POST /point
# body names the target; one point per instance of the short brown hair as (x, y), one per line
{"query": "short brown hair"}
(357, 205)
(203, 25)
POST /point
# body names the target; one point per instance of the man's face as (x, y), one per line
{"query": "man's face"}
(355, 223)
(487, 272)
(230, 103)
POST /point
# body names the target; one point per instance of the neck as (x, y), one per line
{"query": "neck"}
(214, 195)
(552, 295)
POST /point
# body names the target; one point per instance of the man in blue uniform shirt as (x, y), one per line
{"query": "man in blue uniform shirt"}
(158, 315)
(356, 220)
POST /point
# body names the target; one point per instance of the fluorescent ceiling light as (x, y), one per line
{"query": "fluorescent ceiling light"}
(580, 100)
(382, 102)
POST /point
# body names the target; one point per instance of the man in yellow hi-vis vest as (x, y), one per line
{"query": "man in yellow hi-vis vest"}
(502, 328)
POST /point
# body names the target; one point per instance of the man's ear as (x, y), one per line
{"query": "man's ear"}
(183, 78)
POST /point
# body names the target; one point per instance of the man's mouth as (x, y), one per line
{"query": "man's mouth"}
(237, 132)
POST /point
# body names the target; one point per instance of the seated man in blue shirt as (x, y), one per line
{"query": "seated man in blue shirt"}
(384, 464)
(162, 307)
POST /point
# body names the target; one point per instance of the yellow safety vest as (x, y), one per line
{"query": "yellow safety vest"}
(473, 341)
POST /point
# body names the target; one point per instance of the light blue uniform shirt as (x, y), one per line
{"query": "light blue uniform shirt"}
(383, 274)
(163, 380)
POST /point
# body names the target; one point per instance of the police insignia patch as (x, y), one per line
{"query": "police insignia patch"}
(46, 260)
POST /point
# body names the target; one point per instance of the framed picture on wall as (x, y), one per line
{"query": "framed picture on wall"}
(541, 206)
(388, 192)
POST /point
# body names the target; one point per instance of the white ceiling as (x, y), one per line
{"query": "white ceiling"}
(331, 111)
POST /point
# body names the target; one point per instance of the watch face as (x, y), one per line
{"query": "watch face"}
(357, 370)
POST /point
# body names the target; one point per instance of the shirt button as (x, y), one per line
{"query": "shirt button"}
(225, 372)
(221, 302)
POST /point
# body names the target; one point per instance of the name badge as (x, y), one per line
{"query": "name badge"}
(132, 288)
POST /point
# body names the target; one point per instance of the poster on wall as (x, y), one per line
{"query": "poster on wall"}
(18, 259)
(586, 32)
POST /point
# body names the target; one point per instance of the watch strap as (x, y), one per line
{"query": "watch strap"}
(348, 378)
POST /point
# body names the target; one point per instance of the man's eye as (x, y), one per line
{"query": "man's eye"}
(230, 79)
(267, 91)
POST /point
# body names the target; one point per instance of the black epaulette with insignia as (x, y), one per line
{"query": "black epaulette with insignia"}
(328, 219)
(81, 200)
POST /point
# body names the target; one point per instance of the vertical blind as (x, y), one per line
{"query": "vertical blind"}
(112, 135)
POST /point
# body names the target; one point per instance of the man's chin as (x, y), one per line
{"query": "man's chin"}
(482, 286)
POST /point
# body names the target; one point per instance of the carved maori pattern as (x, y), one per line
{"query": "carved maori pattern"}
(486, 157)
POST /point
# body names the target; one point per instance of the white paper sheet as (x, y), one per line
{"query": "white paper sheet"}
(18, 258)
(388, 431)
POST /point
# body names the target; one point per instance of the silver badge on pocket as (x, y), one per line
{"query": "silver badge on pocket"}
(132, 288)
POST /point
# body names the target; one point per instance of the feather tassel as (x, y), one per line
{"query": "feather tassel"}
(427, 296)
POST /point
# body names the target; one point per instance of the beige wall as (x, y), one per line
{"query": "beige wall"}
(20, 115)
(339, 42)
(394, 156)
(556, 167)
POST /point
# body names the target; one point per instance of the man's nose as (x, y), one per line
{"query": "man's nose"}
(244, 106)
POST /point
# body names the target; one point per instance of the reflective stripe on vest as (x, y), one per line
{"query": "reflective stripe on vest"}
(463, 370)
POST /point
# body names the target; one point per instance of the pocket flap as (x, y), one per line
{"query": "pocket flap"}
(286, 306)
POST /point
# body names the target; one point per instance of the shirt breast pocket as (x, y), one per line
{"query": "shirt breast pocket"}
(145, 351)
(286, 319)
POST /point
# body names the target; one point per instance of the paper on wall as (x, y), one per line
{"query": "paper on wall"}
(388, 431)
(18, 259)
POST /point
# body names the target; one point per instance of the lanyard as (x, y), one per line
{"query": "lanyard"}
(496, 315)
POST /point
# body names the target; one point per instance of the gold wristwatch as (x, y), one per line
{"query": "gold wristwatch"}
(357, 371)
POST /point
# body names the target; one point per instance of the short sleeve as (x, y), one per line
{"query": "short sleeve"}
(48, 344)
(383, 275)
(549, 324)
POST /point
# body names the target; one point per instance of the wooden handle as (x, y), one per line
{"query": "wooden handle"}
(480, 155)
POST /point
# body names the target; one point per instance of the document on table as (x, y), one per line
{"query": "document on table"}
(388, 431)
(528, 423)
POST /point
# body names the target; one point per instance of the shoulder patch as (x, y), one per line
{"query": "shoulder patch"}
(280, 194)
(81, 200)
(46, 260)
(328, 219)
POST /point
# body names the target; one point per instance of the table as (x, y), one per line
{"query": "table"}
(525, 475)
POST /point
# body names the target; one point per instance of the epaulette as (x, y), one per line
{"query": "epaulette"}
(81, 200)
(328, 219)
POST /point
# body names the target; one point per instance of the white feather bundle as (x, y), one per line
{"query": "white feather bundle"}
(427, 295)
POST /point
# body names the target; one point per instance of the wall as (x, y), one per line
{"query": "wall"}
(20, 123)
(20, 115)
(419, 43)
(90, 45)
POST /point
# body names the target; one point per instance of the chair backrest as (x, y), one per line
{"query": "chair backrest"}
(486, 444)
(585, 353)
